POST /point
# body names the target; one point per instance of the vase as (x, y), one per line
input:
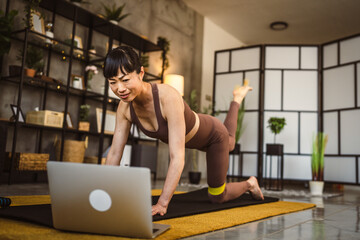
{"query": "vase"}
(316, 188)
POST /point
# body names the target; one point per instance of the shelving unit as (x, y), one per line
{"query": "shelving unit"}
(93, 23)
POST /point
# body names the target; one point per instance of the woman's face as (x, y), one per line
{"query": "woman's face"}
(127, 86)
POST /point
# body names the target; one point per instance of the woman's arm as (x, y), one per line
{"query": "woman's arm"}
(173, 111)
(122, 128)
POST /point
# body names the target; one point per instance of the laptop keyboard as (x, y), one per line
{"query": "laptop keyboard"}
(155, 230)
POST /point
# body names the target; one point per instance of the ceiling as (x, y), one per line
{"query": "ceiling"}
(310, 21)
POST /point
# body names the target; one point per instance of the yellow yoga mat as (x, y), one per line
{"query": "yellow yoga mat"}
(180, 227)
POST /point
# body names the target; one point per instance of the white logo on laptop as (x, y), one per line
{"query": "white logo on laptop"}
(100, 200)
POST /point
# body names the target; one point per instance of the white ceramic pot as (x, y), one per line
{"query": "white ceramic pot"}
(114, 22)
(316, 188)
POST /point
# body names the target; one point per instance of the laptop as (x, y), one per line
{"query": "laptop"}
(102, 199)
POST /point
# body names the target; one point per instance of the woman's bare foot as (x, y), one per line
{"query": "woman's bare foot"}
(255, 190)
(240, 92)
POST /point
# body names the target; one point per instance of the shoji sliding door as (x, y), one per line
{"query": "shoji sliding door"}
(341, 109)
(291, 91)
(315, 88)
(232, 67)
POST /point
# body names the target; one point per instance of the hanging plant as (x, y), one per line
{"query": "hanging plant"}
(30, 7)
(164, 43)
(6, 27)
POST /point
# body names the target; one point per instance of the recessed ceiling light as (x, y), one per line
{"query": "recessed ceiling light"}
(278, 26)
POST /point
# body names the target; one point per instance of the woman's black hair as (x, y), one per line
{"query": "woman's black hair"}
(123, 58)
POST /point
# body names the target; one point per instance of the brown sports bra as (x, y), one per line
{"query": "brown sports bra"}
(162, 132)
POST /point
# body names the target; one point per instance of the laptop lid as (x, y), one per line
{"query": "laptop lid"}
(101, 199)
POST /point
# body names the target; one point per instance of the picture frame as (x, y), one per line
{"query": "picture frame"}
(69, 122)
(14, 109)
(79, 44)
(37, 22)
(81, 84)
(110, 121)
(78, 41)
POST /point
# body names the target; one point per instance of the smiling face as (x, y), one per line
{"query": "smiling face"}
(127, 86)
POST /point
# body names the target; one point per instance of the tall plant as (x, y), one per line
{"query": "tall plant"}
(240, 128)
(6, 27)
(276, 125)
(317, 158)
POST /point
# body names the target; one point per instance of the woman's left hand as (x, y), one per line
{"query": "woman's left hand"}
(158, 209)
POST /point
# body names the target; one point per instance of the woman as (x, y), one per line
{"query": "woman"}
(160, 112)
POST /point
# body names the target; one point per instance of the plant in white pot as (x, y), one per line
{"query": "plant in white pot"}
(317, 164)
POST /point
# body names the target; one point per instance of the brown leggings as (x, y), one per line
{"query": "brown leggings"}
(217, 157)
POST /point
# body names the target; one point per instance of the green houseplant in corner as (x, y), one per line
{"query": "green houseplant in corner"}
(6, 28)
(113, 13)
(317, 164)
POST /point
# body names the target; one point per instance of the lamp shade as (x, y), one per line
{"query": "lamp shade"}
(176, 81)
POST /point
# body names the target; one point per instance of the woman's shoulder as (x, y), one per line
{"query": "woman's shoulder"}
(124, 109)
(167, 91)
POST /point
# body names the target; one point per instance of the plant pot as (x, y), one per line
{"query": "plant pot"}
(14, 71)
(275, 149)
(316, 188)
(236, 149)
(30, 72)
(194, 177)
(84, 126)
(114, 22)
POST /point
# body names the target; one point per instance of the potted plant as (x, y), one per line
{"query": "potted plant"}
(84, 124)
(33, 61)
(317, 164)
(6, 28)
(164, 43)
(276, 125)
(144, 60)
(113, 13)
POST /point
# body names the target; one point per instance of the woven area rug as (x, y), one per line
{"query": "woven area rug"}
(180, 227)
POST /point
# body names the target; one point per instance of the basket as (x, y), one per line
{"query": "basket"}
(28, 161)
(94, 160)
(45, 118)
(74, 151)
